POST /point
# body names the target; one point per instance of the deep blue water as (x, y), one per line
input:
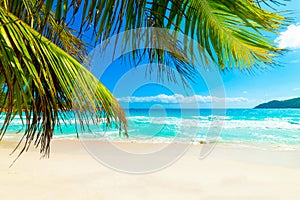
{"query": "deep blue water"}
(246, 126)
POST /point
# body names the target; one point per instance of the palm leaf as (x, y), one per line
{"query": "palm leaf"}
(229, 32)
(41, 79)
(232, 21)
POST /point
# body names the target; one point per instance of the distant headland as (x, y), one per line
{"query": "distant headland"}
(290, 103)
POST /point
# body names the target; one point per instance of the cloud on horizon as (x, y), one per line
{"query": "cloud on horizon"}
(178, 98)
(296, 89)
(290, 38)
(295, 61)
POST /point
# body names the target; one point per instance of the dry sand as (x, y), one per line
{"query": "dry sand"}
(229, 172)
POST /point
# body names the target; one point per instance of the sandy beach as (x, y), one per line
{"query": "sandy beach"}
(229, 172)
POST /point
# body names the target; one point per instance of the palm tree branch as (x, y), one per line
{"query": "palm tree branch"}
(43, 81)
(213, 28)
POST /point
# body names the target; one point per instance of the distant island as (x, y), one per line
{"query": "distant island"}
(290, 103)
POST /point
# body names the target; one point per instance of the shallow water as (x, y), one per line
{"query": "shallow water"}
(279, 127)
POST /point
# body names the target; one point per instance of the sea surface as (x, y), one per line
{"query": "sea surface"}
(277, 127)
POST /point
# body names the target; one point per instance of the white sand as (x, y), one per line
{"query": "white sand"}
(227, 173)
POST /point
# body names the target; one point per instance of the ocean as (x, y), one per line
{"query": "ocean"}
(275, 127)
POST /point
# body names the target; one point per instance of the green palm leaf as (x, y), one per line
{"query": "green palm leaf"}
(41, 79)
(230, 33)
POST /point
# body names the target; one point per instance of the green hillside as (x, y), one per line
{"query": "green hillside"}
(290, 103)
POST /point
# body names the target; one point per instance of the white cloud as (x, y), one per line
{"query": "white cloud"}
(296, 89)
(295, 61)
(178, 98)
(289, 38)
(279, 98)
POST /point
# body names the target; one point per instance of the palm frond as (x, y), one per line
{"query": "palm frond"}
(40, 80)
(36, 15)
(230, 33)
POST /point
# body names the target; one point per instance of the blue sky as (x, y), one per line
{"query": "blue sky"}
(239, 89)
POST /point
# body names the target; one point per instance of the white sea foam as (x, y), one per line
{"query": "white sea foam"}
(287, 123)
(268, 123)
(212, 117)
(272, 130)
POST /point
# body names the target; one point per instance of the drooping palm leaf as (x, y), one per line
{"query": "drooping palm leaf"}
(41, 79)
(229, 31)
(232, 30)
(33, 13)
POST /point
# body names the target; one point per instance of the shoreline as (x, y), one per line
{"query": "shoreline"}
(267, 146)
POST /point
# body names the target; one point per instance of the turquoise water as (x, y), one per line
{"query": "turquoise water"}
(245, 126)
